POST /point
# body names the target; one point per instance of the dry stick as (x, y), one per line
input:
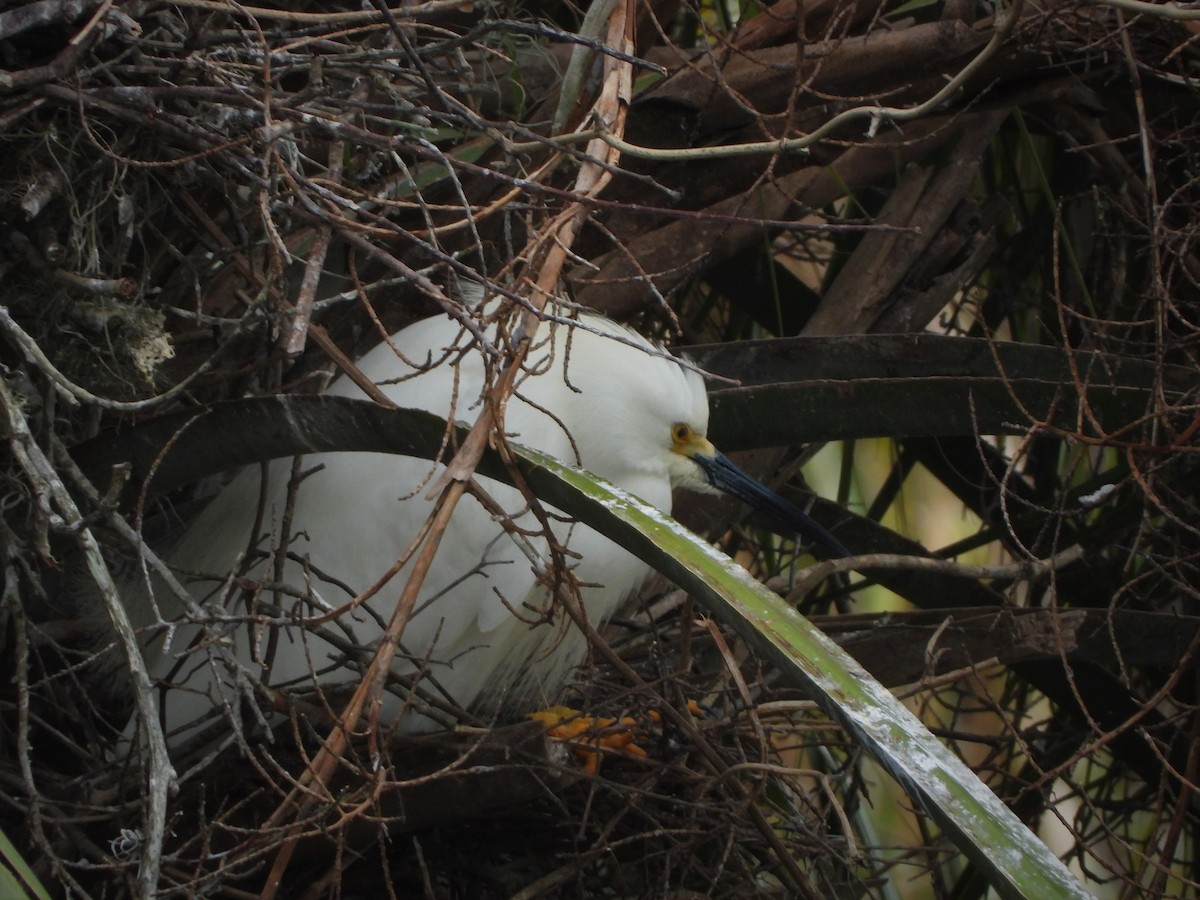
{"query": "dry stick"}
(1022, 570)
(353, 17)
(322, 767)
(161, 775)
(320, 245)
(75, 394)
(319, 334)
(610, 110)
(876, 115)
(367, 696)
(298, 330)
(592, 177)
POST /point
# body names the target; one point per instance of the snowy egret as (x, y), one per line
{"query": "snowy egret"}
(485, 635)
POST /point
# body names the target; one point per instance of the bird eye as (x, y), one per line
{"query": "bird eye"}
(681, 432)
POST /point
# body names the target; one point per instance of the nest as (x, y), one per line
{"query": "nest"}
(205, 201)
(197, 196)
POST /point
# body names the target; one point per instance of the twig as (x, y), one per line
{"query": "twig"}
(1029, 570)
(1179, 12)
(160, 774)
(874, 114)
(73, 393)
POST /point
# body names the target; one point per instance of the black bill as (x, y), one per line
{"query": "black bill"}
(725, 476)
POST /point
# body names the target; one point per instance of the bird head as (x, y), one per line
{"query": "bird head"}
(636, 413)
(701, 466)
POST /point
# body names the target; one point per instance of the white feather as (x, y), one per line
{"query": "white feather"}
(605, 399)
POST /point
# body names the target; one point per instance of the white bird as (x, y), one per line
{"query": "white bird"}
(485, 635)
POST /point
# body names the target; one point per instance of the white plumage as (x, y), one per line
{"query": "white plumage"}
(485, 635)
(609, 405)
